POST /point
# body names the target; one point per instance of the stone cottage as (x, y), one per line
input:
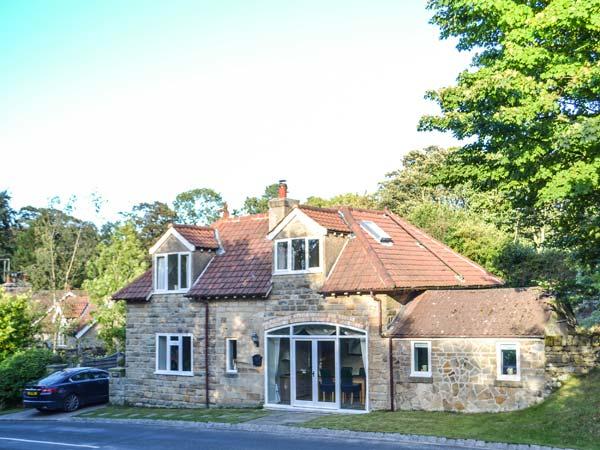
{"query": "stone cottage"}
(343, 309)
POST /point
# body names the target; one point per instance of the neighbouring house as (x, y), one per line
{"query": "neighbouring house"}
(68, 321)
(343, 309)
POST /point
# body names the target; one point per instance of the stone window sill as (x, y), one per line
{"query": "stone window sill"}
(508, 383)
(425, 380)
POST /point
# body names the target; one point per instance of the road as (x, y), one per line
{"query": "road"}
(56, 435)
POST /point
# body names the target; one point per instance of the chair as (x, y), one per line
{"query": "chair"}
(348, 386)
(327, 385)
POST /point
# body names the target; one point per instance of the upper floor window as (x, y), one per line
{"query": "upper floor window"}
(172, 272)
(298, 255)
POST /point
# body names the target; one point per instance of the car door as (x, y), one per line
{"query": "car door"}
(99, 386)
(81, 385)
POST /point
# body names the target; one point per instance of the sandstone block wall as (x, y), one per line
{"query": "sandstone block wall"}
(464, 377)
(568, 355)
(293, 299)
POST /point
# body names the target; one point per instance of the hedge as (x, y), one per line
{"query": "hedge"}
(19, 369)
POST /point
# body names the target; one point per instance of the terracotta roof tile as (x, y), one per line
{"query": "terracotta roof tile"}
(414, 260)
(138, 289)
(199, 237)
(244, 269)
(326, 217)
(505, 312)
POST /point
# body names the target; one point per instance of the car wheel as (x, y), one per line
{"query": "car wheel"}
(71, 403)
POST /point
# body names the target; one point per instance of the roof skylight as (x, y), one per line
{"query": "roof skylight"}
(376, 232)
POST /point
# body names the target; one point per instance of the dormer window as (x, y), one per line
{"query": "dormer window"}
(297, 255)
(172, 272)
(376, 232)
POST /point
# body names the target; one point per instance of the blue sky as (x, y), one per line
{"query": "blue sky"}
(141, 100)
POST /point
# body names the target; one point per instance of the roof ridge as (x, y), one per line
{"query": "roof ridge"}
(196, 227)
(318, 208)
(371, 254)
(400, 222)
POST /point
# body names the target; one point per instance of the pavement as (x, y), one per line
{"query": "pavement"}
(34, 414)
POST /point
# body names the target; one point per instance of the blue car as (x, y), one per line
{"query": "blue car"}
(67, 390)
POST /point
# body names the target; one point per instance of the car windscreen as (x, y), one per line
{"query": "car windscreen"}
(56, 377)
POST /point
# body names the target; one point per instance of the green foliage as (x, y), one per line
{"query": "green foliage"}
(17, 327)
(461, 230)
(198, 206)
(150, 221)
(19, 369)
(529, 110)
(7, 223)
(349, 199)
(257, 205)
(53, 246)
(118, 262)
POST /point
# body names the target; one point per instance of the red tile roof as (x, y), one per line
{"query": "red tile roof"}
(506, 312)
(199, 237)
(414, 260)
(138, 289)
(326, 217)
(244, 269)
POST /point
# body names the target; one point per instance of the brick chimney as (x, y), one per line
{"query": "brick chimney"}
(225, 211)
(281, 206)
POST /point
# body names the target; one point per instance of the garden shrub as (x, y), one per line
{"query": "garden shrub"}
(17, 370)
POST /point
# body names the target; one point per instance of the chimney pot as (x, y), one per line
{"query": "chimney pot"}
(282, 192)
(225, 211)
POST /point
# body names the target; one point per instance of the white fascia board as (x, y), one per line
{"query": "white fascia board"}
(296, 213)
(172, 232)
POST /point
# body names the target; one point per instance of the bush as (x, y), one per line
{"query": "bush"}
(17, 370)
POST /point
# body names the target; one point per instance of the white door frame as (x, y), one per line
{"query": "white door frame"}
(314, 348)
(337, 338)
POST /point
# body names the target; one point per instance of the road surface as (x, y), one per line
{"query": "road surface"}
(73, 435)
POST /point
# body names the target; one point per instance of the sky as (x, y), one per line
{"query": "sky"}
(138, 101)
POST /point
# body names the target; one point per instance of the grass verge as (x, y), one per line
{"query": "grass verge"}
(222, 415)
(569, 417)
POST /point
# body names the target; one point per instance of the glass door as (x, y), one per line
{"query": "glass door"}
(303, 372)
(315, 369)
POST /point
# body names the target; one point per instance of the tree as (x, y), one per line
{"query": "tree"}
(17, 327)
(150, 221)
(528, 109)
(53, 248)
(349, 199)
(198, 206)
(257, 205)
(118, 262)
(7, 223)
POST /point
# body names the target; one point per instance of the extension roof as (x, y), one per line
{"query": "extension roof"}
(506, 312)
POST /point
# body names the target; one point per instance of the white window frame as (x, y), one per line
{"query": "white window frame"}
(168, 336)
(413, 370)
(227, 351)
(507, 346)
(289, 269)
(189, 272)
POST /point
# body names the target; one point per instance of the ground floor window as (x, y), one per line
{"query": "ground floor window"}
(231, 355)
(174, 354)
(317, 365)
(507, 360)
(420, 359)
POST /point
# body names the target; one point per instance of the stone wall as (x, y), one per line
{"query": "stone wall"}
(464, 377)
(568, 355)
(293, 299)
